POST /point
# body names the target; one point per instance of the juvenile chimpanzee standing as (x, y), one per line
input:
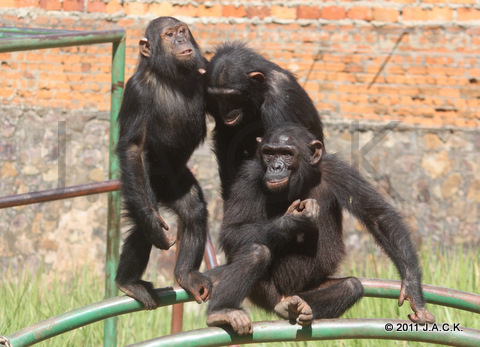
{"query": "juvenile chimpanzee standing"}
(249, 94)
(282, 235)
(162, 121)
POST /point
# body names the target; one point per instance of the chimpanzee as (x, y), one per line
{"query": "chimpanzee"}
(282, 235)
(162, 121)
(249, 94)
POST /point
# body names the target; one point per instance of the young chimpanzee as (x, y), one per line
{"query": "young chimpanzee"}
(162, 121)
(282, 235)
(249, 94)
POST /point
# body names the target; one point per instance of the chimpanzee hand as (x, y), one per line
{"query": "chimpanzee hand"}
(199, 285)
(308, 208)
(420, 314)
(157, 236)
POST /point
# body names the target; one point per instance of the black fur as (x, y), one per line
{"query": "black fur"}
(265, 102)
(273, 254)
(162, 121)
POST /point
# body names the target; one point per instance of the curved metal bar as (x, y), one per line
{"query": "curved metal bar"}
(90, 314)
(175, 294)
(322, 330)
(377, 288)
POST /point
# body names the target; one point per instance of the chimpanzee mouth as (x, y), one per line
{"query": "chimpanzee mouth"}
(232, 118)
(274, 185)
(187, 52)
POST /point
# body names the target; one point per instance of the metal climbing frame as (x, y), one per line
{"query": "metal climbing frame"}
(327, 329)
(22, 39)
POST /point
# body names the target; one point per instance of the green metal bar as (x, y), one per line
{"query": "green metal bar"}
(320, 330)
(56, 40)
(90, 314)
(174, 295)
(114, 198)
(436, 295)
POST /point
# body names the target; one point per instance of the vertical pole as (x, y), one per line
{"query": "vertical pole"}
(177, 309)
(114, 198)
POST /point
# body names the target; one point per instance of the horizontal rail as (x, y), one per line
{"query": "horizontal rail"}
(59, 193)
(175, 295)
(62, 39)
(390, 289)
(322, 329)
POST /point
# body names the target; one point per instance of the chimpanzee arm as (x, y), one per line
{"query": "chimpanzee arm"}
(139, 199)
(386, 225)
(245, 219)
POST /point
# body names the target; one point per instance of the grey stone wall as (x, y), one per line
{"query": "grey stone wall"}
(431, 175)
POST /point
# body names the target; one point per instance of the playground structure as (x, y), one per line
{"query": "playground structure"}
(16, 39)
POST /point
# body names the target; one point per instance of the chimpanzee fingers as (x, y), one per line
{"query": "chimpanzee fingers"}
(242, 324)
(293, 207)
(305, 318)
(402, 296)
(429, 317)
(163, 223)
(422, 317)
(205, 293)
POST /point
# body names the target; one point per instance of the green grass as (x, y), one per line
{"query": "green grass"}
(28, 298)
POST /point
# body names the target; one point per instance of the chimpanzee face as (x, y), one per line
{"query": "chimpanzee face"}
(287, 157)
(280, 160)
(167, 36)
(236, 90)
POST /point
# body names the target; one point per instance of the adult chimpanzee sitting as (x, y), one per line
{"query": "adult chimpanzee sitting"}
(162, 121)
(249, 94)
(282, 235)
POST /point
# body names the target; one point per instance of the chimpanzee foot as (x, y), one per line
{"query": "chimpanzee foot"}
(295, 308)
(141, 291)
(238, 319)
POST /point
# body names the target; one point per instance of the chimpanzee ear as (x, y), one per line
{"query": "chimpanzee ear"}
(257, 76)
(316, 148)
(259, 139)
(145, 47)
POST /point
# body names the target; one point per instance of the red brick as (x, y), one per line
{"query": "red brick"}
(115, 6)
(440, 14)
(210, 11)
(7, 3)
(233, 11)
(50, 5)
(307, 12)
(333, 12)
(258, 11)
(96, 6)
(414, 13)
(134, 8)
(188, 10)
(26, 3)
(385, 14)
(465, 14)
(359, 12)
(284, 12)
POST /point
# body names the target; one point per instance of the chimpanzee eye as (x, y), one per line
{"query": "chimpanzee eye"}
(169, 34)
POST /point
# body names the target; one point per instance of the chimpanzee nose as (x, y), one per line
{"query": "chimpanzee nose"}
(277, 166)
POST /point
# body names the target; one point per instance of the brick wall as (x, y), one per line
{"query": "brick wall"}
(413, 61)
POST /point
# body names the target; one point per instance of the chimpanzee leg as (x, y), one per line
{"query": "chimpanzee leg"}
(191, 209)
(133, 262)
(330, 300)
(239, 276)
